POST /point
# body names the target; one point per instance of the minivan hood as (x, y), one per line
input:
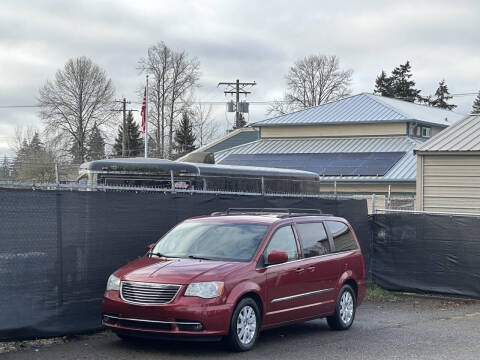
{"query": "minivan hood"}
(176, 270)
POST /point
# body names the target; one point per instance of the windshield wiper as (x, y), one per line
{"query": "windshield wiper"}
(161, 255)
(197, 257)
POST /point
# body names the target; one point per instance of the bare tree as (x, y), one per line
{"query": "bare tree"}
(79, 97)
(204, 126)
(174, 77)
(314, 80)
(281, 107)
(158, 63)
(185, 74)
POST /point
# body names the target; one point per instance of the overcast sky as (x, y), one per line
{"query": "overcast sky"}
(248, 40)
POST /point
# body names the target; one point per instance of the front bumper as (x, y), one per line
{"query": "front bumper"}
(183, 317)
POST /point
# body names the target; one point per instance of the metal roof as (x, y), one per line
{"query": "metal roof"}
(463, 136)
(365, 108)
(242, 137)
(403, 171)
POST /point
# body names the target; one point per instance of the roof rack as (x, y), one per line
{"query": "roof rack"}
(283, 212)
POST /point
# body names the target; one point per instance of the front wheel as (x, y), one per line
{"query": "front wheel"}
(245, 325)
(344, 314)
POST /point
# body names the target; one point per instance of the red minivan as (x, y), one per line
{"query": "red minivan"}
(236, 273)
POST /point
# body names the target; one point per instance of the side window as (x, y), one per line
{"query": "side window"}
(284, 240)
(342, 236)
(313, 238)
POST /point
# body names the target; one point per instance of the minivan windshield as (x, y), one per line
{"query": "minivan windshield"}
(212, 241)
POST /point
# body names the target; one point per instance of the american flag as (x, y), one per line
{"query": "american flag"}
(142, 112)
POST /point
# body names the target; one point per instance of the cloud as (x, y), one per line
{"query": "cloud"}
(249, 40)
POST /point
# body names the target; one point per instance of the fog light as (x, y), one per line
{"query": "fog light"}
(190, 326)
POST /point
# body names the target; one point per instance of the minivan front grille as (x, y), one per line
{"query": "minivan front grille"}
(148, 293)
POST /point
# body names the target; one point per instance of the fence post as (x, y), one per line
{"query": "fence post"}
(57, 175)
(263, 186)
(172, 181)
(373, 204)
(58, 208)
(335, 189)
(388, 199)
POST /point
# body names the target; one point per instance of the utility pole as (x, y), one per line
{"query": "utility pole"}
(124, 103)
(237, 88)
(124, 137)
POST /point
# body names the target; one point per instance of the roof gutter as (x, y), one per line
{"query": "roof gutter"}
(420, 122)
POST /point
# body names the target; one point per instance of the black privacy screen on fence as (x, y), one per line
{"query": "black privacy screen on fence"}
(427, 253)
(59, 247)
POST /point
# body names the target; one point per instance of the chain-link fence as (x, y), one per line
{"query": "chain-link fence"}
(38, 171)
(53, 175)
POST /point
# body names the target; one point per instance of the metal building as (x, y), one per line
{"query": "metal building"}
(448, 169)
(361, 144)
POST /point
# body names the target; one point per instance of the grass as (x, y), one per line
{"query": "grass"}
(375, 292)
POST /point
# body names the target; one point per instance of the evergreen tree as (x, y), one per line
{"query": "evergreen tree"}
(383, 85)
(5, 169)
(184, 137)
(243, 122)
(95, 145)
(476, 105)
(441, 97)
(33, 161)
(134, 141)
(399, 85)
(35, 146)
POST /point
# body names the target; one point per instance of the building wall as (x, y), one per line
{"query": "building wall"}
(436, 130)
(449, 182)
(334, 130)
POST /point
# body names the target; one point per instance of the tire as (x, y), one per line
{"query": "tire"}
(345, 310)
(246, 317)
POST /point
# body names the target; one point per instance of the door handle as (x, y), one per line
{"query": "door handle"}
(299, 270)
(311, 268)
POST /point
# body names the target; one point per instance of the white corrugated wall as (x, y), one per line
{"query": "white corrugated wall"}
(451, 183)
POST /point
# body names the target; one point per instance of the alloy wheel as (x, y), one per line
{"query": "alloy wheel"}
(346, 307)
(246, 324)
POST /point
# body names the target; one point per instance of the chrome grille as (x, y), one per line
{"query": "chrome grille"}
(148, 293)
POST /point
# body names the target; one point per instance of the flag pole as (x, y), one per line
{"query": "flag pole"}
(146, 120)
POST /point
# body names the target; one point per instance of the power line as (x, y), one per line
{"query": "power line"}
(214, 102)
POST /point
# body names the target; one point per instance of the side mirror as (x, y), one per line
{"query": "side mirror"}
(150, 246)
(277, 257)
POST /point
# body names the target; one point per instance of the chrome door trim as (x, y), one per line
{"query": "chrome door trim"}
(310, 258)
(302, 295)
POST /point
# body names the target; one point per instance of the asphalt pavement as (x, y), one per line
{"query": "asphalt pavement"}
(406, 328)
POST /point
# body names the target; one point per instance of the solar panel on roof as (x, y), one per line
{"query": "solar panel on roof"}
(328, 164)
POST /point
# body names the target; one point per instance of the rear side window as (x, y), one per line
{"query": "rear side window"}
(284, 240)
(313, 238)
(342, 236)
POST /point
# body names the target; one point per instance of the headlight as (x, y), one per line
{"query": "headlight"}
(206, 290)
(113, 283)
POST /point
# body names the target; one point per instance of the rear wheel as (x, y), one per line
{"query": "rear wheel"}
(245, 325)
(345, 308)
